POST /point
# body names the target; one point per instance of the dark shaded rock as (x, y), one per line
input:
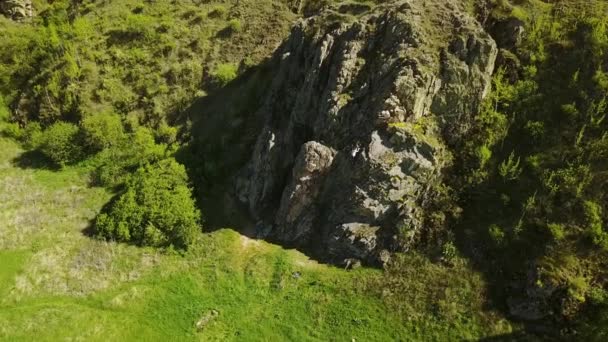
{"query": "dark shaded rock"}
(508, 32)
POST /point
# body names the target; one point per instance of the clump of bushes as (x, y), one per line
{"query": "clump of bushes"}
(61, 142)
(102, 131)
(113, 165)
(155, 209)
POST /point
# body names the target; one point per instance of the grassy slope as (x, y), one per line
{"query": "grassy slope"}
(57, 283)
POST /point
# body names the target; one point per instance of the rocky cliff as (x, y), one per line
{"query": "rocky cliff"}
(359, 121)
(16, 9)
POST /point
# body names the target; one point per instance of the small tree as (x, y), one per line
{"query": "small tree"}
(61, 143)
(102, 131)
(156, 209)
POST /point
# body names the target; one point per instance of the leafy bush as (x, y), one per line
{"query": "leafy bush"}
(61, 142)
(557, 231)
(114, 164)
(234, 25)
(224, 73)
(102, 131)
(484, 154)
(4, 113)
(218, 13)
(166, 134)
(509, 169)
(449, 252)
(156, 209)
(593, 218)
(13, 131)
(32, 136)
(497, 235)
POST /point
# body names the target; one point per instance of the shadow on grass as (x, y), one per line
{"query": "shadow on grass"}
(35, 160)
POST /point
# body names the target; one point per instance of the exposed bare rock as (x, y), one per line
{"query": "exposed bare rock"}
(18, 10)
(359, 122)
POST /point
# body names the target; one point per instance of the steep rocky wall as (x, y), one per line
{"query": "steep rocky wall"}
(358, 124)
(17, 9)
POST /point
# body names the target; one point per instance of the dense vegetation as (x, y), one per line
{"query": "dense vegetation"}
(96, 84)
(99, 93)
(156, 208)
(535, 202)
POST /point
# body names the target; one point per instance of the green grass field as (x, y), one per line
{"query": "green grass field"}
(57, 283)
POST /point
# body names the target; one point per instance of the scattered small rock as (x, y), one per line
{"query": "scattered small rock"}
(206, 319)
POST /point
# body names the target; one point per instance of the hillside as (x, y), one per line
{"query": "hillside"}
(303, 170)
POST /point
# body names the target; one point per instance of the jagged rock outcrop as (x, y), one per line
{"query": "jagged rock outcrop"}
(17, 9)
(359, 122)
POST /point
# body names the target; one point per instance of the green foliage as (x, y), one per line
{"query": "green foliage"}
(224, 73)
(33, 136)
(536, 129)
(61, 142)
(509, 169)
(102, 131)
(234, 25)
(155, 209)
(557, 231)
(13, 131)
(4, 112)
(114, 164)
(598, 296)
(166, 134)
(449, 252)
(497, 235)
(484, 154)
(126, 56)
(593, 219)
(545, 126)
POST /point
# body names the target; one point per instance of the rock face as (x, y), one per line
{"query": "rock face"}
(17, 9)
(359, 121)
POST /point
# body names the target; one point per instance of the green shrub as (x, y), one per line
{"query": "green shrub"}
(4, 113)
(218, 13)
(234, 25)
(13, 131)
(102, 131)
(224, 73)
(61, 142)
(114, 164)
(509, 169)
(484, 154)
(449, 252)
(598, 296)
(593, 219)
(32, 136)
(156, 209)
(557, 231)
(497, 235)
(166, 134)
